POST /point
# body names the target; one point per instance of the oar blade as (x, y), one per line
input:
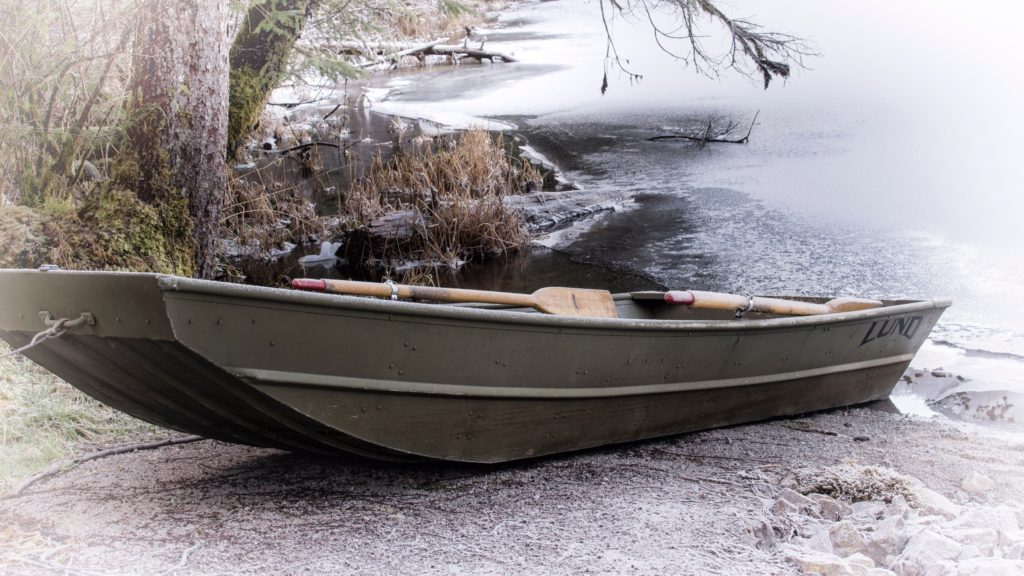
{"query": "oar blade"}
(575, 302)
(849, 304)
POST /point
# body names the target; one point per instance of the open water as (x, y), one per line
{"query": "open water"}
(890, 168)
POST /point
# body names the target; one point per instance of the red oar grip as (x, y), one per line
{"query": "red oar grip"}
(312, 284)
(679, 297)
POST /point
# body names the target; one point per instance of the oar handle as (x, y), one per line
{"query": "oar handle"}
(390, 290)
(719, 301)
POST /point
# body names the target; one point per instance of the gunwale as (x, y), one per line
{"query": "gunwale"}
(529, 317)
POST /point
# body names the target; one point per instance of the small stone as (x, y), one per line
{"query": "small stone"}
(846, 539)
(810, 562)
(898, 507)
(983, 566)
(924, 521)
(819, 541)
(829, 508)
(925, 552)
(886, 540)
(985, 539)
(862, 438)
(860, 560)
(932, 503)
(759, 534)
(1008, 538)
(969, 551)
(977, 484)
(944, 568)
(791, 501)
(869, 511)
(1002, 518)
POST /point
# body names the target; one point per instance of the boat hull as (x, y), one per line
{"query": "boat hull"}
(408, 381)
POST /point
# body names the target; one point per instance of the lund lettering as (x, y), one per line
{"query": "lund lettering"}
(906, 327)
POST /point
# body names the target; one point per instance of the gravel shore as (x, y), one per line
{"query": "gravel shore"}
(853, 491)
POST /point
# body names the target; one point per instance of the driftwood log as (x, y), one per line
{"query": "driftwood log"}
(391, 53)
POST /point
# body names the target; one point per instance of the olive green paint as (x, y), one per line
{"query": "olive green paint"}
(413, 381)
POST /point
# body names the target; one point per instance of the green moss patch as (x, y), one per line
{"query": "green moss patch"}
(114, 230)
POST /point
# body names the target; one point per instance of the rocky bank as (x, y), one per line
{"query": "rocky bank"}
(857, 491)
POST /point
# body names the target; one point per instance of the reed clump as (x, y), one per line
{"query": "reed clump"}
(261, 213)
(443, 201)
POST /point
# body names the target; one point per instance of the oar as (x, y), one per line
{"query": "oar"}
(563, 301)
(742, 304)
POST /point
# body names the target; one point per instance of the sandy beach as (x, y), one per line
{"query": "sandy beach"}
(861, 490)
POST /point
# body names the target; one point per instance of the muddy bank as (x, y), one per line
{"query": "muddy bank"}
(707, 503)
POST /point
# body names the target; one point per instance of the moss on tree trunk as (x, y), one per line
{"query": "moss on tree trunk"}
(259, 60)
(177, 125)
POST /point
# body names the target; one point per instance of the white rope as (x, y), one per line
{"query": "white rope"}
(56, 330)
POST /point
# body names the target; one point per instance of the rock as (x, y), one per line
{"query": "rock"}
(1001, 518)
(969, 551)
(819, 541)
(924, 521)
(759, 534)
(985, 539)
(886, 540)
(1010, 538)
(898, 507)
(977, 484)
(829, 508)
(932, 503)
(983, 566)
(791, 501)
(879, 572)
(925, 552)
(90, 173)
(861, 561)
(869, 511)
(1012, 544)
(810, 562)
(944, 568)
(846, 539)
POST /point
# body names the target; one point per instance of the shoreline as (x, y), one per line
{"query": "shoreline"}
(724, 501)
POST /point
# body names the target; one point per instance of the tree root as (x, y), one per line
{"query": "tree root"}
(62, 467)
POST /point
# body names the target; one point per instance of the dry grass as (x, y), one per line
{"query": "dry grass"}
(449, 19)
(263, 212)
(852, 482)
(454, 189)
(43, 419)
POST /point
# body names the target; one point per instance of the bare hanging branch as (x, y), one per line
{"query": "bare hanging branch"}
(676, 27)
(716, 128)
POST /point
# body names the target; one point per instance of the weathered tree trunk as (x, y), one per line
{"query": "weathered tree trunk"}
(179, 113)
(259, 59)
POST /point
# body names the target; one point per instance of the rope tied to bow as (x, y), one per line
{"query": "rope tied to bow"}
(54, 329)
